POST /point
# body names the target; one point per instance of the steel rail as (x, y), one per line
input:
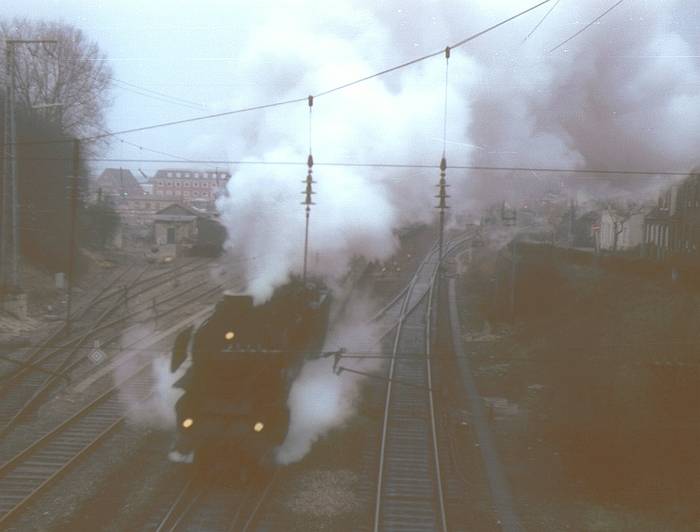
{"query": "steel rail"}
(31, 470)
(405, 452)
(428, 370)
(23, 477)
(193, 499)
(181, 509)
(39, 383)
(78, 314)
(37, 386)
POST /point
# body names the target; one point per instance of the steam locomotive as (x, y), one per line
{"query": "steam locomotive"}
(242, 361)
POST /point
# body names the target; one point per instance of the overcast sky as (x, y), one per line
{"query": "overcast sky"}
(222, 55)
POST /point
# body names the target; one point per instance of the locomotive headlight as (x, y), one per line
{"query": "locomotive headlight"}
(187, 423)
(258, 426)
(230, 335)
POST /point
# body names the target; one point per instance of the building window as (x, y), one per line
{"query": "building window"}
(177, 183)
(170, 174)
(187, 193)
(196, 184)
(196, 174)
(187, 184)
(178, 174)
(171, 235)
(196, 193)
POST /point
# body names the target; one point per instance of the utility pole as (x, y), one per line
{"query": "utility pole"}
(9, 241)
(308, 192)
(73, 216)
(572, 221)
(510, 219)
(442, 205)
(512, 278)
(307, 203)
(9, 189)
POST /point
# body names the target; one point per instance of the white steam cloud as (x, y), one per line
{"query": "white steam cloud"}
(156, 409)
(385, 120)
(320, 400)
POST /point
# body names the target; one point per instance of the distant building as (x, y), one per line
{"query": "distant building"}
(672, 228)
(115, 185)
(190, 187)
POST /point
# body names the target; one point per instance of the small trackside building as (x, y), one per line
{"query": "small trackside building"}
(175, 230)
(180, 230)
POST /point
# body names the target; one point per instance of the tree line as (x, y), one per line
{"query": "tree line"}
(61, 92)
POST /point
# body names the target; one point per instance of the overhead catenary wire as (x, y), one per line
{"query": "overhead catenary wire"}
(414, 166)
(541, 21)
(300, 99)
(579, 32)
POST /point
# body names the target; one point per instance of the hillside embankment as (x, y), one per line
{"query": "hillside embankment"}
(590, 368)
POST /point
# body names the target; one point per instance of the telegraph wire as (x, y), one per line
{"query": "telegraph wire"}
(579, 32)
(143, 91)
(136, 89)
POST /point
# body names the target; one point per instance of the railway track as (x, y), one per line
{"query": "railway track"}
(26, 388)
(206, 507)
(52, 454)
(24, 476)
(31, 470)
(409, 493)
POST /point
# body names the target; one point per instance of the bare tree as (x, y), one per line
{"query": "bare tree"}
(620, 213)
(69, 80)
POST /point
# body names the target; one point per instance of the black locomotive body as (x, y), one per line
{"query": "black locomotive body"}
(242, 362)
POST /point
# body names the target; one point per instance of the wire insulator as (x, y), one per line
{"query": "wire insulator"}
(447, 52)
(310, 161)
(311, 101)
(443, 164)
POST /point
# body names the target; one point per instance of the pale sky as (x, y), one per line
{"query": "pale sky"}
(227, 54)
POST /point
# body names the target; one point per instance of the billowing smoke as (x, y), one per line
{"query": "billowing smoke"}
(396, 119)
(320, 400)
(624, 94)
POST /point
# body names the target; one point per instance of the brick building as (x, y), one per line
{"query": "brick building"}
(115, 185)
(190, 187)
